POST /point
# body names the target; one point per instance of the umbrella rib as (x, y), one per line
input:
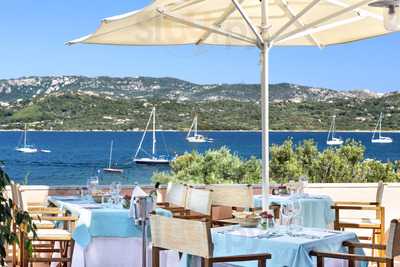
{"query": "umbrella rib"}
(248, 22)
(323, 28)
(294, 19)
(219, 21)
(298, 22)
(318, 22)
(213, 29)
(359, 10)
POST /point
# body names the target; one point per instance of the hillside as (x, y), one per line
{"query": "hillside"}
(83, 103)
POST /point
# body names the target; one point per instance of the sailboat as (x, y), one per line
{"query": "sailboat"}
(196, 138)
(152, 158)
(378, 128)
(331, 140)
(109, 168)
(26, 148)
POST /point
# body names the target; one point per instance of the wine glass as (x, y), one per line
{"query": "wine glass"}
(92, 183)
(304, 182)
(292, 187)
(286, 214)
(297, 219)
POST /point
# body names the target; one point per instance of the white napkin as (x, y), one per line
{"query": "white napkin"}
(137, 192)
(248, 232)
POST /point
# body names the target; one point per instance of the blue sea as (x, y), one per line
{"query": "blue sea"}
(75, 156)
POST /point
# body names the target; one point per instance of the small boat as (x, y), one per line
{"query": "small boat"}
(45, 150)
(26, 148)
(331, 140)
(196, 138)
(378, 128)
(109, 168)
(151, 158)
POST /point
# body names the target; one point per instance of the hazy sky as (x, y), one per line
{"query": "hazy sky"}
(33, 32)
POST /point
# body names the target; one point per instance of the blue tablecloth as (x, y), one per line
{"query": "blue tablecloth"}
(315, 210)
(285, 250)
(97, 221)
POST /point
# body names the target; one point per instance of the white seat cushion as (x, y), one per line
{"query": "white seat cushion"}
(43, 224)
(43, 234)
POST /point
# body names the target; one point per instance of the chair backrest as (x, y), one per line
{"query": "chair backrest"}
(199, 200)
(176, 194)
(379, 192)
(232, 195)
(186, 236)
(16, 195)
(393, 244)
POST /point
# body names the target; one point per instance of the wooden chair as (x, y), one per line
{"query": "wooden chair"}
(47, 236)
(376, 223)
(175, 197)
(197, 206)
(235, 196)
(191, 237)
(392, 249)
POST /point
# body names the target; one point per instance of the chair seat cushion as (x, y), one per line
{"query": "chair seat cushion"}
(43, 224)
(52, 234)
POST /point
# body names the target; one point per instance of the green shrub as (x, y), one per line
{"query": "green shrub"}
(344, 164)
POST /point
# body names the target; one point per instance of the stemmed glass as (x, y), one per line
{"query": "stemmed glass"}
(287, 213)
(115, 193)
(92, 183)
(304, 182)
(297, 219)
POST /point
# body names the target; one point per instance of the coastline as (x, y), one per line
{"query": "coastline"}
(204, 131)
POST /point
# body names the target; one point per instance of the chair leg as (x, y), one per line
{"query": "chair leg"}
(206, 262)
(261, 263)
(374, 234)
(320, 261)
(155, 257)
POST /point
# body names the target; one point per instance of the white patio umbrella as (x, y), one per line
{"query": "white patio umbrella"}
(258, 23)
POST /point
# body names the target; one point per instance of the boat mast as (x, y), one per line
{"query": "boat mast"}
(380, 124)
(144, 135)
(154, 131)
(333, 127)
(25, 136)
(111, 150)
(191, 127)
(195, 125)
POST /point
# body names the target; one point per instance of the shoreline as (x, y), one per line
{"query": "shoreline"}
(204, 131)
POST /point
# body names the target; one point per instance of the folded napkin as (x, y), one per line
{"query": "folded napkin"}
(137, 192)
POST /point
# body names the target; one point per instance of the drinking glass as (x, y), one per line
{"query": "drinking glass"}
(304, 182)
(297, 219)
(287, 215)
(292, 187)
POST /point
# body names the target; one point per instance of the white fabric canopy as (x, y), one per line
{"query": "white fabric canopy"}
(259, 23)
(172, 22)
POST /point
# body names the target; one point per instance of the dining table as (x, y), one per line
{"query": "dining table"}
(315, 210)
(288, 248)
(106, 235)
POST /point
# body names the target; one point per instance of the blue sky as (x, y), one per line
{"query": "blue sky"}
(32, 36)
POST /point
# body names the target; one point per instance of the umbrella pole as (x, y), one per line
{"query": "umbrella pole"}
(265, 104)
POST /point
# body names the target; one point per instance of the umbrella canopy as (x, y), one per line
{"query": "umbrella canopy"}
(220, 22)
(259, 23)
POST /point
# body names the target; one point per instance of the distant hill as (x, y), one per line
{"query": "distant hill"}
(84, 103)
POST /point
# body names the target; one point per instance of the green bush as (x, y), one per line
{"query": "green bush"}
(344, 164)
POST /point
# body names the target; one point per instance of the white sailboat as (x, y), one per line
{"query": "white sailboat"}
(26, 148)
(378, 128)
(331, 140)
(152, 158)
(109, 168)
(196, 137)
